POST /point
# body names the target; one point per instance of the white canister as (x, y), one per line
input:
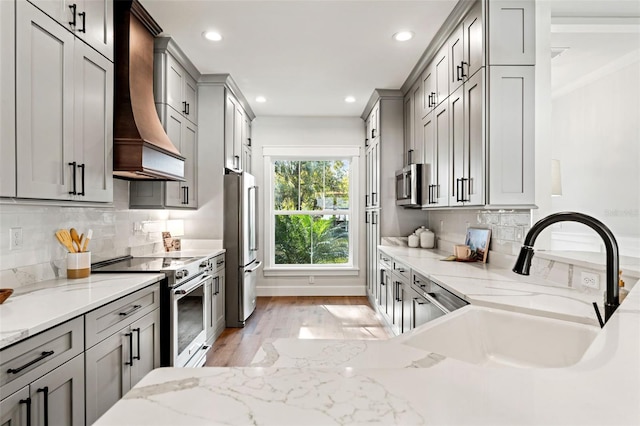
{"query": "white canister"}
(427, 239)
(420, 230)
(414, 240)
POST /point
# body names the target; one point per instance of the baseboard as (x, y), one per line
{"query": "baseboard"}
(308, 290)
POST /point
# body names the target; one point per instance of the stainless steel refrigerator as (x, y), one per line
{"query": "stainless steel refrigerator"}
(241, 243)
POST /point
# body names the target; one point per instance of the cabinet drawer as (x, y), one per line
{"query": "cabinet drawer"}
(30, 359)
(218, 263)
(401, 269)
(108, 319)
(385, 260)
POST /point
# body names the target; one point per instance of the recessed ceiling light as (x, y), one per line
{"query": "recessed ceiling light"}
(350, 99)
(403, 36)
(212, 35)
(261, 99)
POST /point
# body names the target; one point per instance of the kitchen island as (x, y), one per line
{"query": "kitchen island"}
(352, 382)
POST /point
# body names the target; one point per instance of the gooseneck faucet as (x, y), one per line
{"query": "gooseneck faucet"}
(523, 263)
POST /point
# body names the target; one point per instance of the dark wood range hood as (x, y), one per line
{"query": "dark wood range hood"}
(142, 149)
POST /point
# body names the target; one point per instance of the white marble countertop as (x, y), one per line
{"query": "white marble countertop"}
(196, 252)
(630, 266)
(37, 307)
(354, 382)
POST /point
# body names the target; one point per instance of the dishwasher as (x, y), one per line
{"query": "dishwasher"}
(430, 300)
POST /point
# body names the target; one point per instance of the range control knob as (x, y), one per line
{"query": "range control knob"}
(182, 273)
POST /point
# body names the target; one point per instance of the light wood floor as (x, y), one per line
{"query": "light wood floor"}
(296, 317)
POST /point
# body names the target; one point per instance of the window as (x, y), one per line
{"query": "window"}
(310, 207)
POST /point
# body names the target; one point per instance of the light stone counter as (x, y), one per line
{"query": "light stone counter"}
(336, 382)
(37, 307)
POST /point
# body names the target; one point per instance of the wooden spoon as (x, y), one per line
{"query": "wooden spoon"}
(76, 239)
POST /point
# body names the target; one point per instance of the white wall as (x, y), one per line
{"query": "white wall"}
(309, 131)
(596, 137)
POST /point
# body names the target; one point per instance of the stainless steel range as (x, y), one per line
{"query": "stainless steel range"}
(185, 297)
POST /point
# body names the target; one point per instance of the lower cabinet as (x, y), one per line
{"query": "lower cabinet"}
(117, 363)
(216, 322)
(57, 398)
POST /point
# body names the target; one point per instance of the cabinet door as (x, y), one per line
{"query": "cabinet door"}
(409, 125)
(146, 345)
(7, 101)
(97, 23)
(375, 122)
(174, 125)
(441, 155)
(511, 136)
(238, 135)
(189, 151)
(474, 133)
(441, 73)
(415, 152)
(427, 101)
(44, 105)
(384, 281)
(458, 150)
(57, 398)
(60, 11)
(93, 142)
(13, 409)
(473, 41)
(218, 302)
(512, 35)
(397, 305)
(455, 45)
(407, 320)
(246, 158)
(430, 157)
(190, 92)
(375, 174)
(108, 373)
(175, 83)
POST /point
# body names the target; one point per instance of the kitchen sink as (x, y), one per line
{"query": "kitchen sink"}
(493, 337)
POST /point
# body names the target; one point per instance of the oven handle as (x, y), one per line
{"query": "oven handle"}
(187, 288)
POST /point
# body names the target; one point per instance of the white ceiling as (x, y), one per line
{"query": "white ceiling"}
(305, 57)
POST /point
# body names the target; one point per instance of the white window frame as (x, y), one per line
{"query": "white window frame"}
(305, 153)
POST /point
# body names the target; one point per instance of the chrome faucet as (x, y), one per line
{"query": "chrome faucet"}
(523, 263)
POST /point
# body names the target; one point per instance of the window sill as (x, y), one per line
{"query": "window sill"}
(305, 271)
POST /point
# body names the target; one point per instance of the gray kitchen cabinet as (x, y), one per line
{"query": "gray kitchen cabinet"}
(64, 101)
(466, 48)
(13, 409)
(246, 143)
(174, 80)
(216, 316)
(89, 20)
(399, 279)
(7, 101)
(467, 143)
(441, 74)
(511, 136)
(435, 131)
(428, 90)
(115, 364)
(372, 227)
(43, 376)
(234, 123)
(414, 153)
(408, 124)
(407, 311)
(384, 284)
(512, 32)
(56, 398)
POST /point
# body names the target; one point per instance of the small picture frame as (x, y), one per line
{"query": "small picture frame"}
(168, 241)
(478, 241)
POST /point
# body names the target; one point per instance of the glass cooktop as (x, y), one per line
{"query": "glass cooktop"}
(145, 264)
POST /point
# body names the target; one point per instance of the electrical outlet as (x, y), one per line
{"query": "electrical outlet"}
(311, 279)
(590, 280)
(15, 238)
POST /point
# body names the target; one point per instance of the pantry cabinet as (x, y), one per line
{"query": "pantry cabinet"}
(512, 32)
(64, 127)
(7, 100)
(89, 20)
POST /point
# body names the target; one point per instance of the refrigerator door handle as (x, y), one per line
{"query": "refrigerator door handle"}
(253, 222)
(255, 268)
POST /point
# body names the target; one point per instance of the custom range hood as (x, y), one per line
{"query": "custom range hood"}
(142, 149)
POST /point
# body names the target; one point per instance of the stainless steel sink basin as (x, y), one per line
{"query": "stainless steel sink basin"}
(494, 337)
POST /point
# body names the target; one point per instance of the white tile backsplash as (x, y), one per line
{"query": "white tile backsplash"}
(117, 231)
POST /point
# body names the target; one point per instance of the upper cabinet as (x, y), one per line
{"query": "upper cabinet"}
(7, 100)
(176, 96)
(473, 115)
(89, 20)
(237, 135)
(64, 110)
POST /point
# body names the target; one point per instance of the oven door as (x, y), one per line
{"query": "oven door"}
(189, 309)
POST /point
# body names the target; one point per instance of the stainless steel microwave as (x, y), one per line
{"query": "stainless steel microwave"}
(411, 182)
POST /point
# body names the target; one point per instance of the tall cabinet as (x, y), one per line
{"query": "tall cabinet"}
(470, 111)
(383, 122)
(176, 94)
